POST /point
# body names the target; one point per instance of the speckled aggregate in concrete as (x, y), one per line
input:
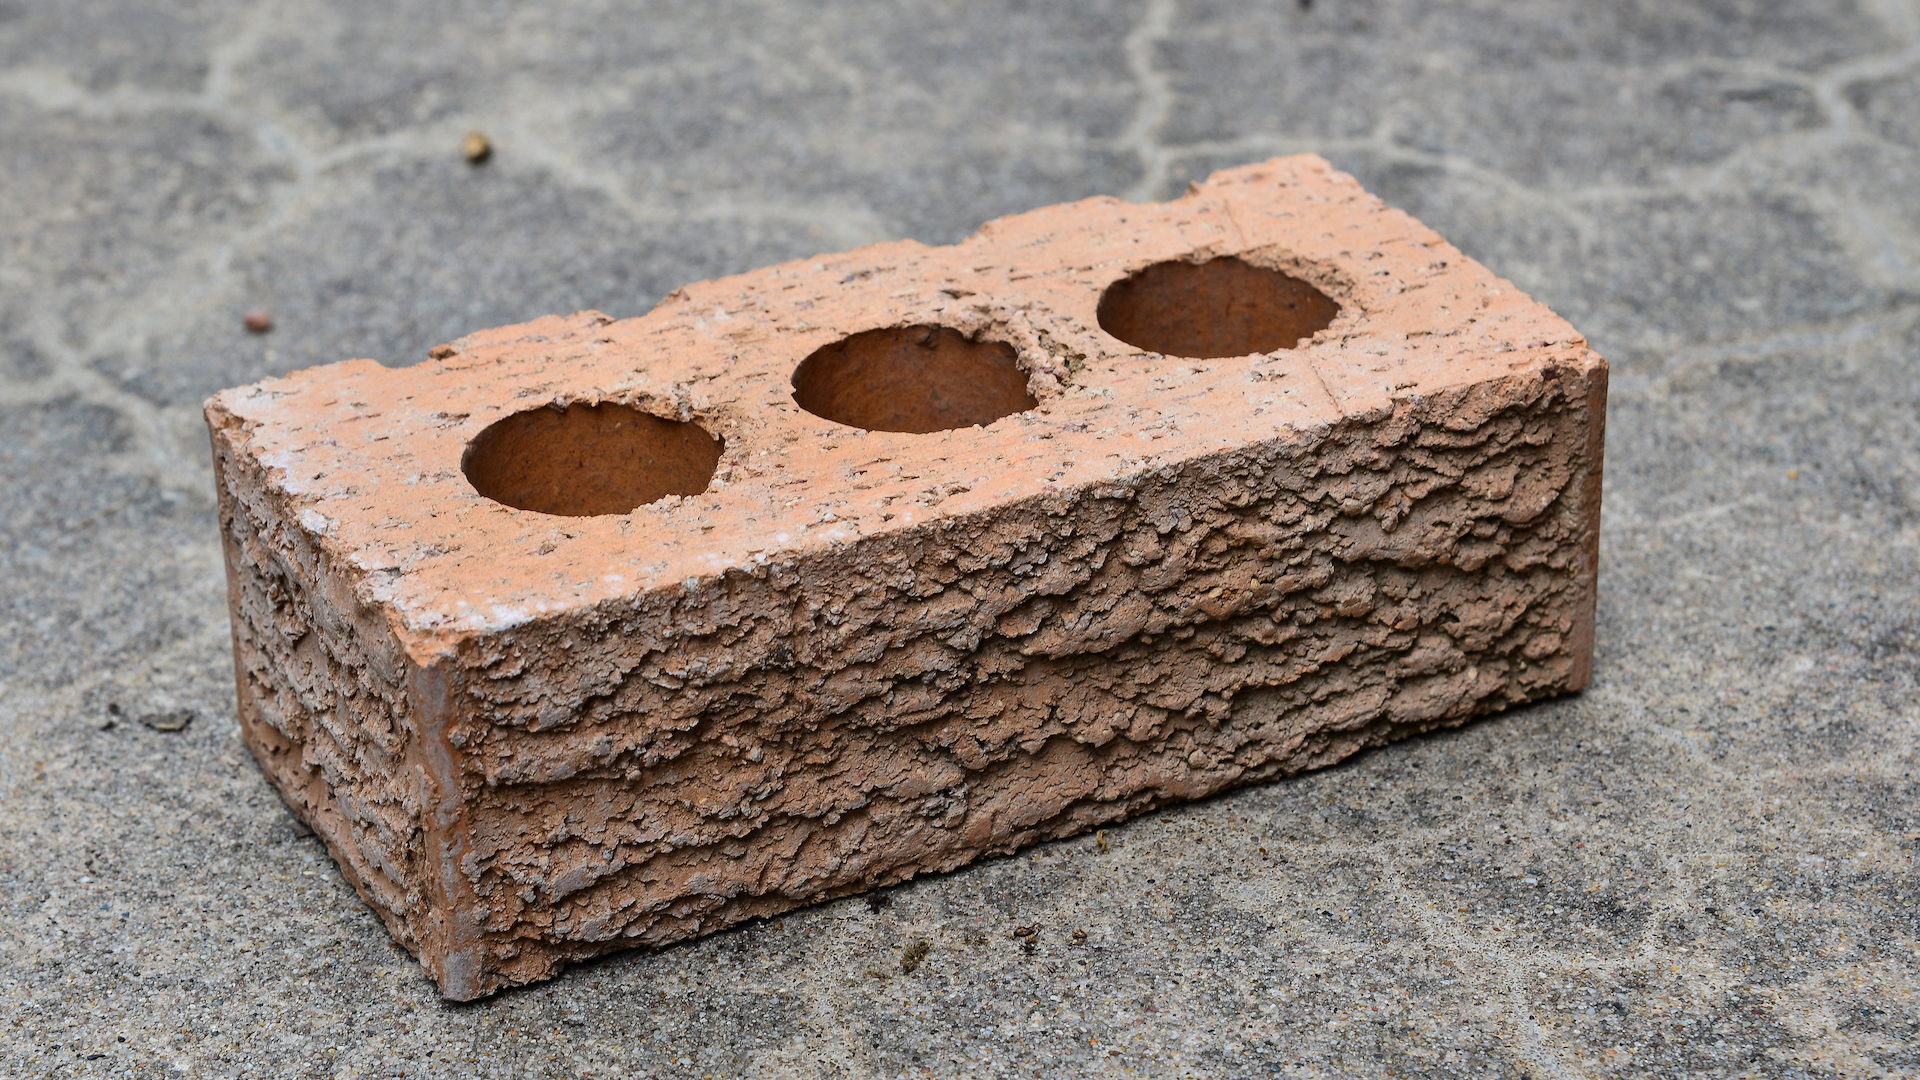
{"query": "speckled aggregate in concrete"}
(1701, 866)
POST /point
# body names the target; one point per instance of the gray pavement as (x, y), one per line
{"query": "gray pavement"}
(1703, 866)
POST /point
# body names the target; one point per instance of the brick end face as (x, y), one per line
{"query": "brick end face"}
(804, 683)
(323, 701)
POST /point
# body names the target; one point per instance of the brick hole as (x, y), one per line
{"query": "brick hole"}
(912, 378)
(1219, 308)
(585, 460)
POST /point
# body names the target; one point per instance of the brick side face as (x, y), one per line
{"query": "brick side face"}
(863, 655)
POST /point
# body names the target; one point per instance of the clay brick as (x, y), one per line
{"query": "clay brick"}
(1360, 502)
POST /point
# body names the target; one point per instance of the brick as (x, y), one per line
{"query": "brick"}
(586, 633)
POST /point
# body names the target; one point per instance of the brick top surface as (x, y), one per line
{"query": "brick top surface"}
(368, 458)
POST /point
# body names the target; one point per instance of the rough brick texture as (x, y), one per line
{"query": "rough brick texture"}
(861, 655)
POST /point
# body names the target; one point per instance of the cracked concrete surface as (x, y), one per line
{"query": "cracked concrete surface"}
(1701, 866)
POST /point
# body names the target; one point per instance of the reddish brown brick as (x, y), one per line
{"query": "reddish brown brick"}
(1361, 501)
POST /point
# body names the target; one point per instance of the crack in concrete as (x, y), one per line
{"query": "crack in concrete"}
(1156, 98)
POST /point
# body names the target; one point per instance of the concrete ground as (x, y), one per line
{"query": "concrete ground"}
(1703, 866)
